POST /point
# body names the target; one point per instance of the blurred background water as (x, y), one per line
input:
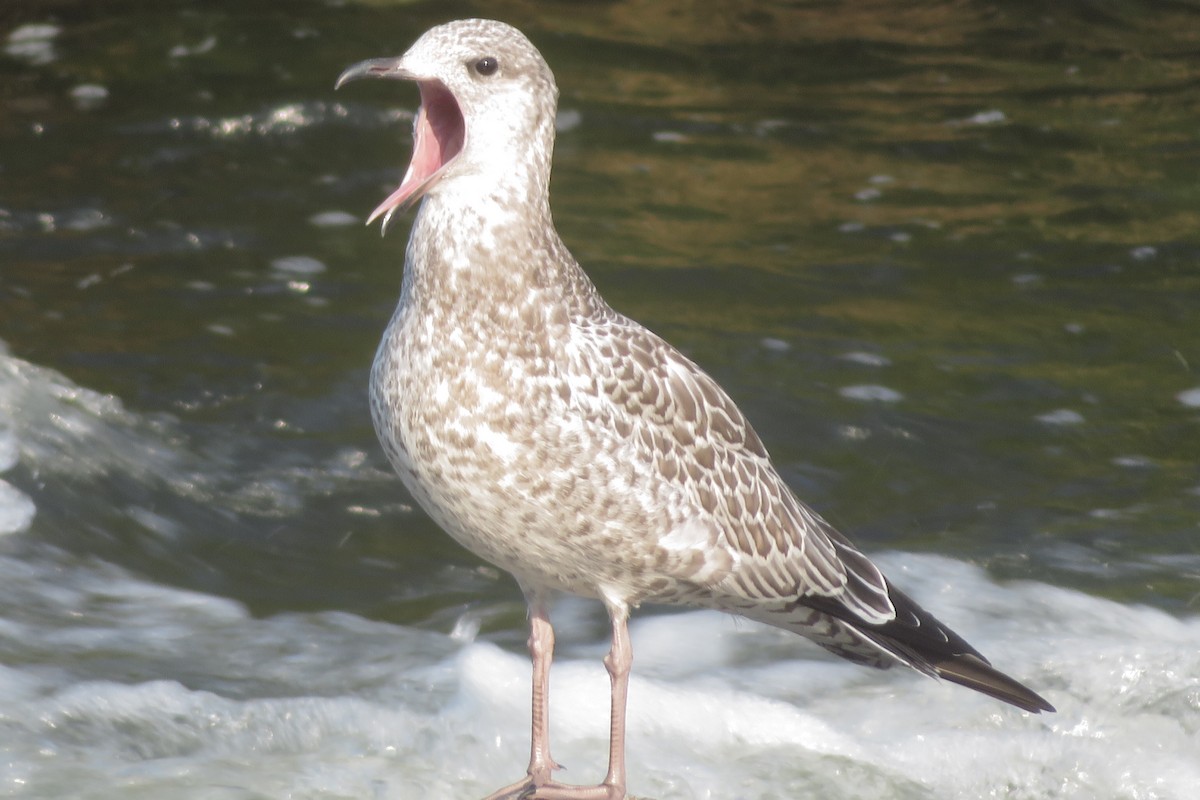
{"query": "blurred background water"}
(944, 255)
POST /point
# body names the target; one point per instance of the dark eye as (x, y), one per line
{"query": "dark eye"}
(487, 66)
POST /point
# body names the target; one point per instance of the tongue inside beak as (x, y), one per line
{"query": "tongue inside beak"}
(438, 135)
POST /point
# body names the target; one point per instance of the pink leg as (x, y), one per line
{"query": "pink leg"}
(541, 650)
(618, 662)
(539, 785)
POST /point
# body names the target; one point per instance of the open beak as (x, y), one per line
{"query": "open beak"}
(439, 132)
(374, 68)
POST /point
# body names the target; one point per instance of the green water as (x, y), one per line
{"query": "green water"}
(999, 204)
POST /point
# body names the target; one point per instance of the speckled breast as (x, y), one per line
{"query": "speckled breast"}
(491, 443)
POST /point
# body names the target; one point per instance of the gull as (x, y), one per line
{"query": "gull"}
(572, 447)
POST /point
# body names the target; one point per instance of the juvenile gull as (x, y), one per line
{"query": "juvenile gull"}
(570, 446)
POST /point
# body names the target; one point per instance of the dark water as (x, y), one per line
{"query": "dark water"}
(945, 256)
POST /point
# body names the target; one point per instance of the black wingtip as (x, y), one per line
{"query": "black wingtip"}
(975, 673)
(920, 640)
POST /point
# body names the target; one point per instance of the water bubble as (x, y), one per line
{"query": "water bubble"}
(568, 119)
(1061, 416)
(1134, 462)
(993, 116)
(872, 393)
(298, 265)
(775, 345)
(1190, 397)
(333, 219)
(855, 433)
(9, 451)
(181, 51)
(670, 137)
(16, 509)
(33, 44)
(866, 359)
(88, 96)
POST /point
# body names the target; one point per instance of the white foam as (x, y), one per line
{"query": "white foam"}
(71, 432)
(8, 444)
(166, 692)
(17, 509)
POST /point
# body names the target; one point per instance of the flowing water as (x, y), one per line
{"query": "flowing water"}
(944, 255)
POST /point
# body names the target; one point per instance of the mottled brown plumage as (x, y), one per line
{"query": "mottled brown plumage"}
(569, 445)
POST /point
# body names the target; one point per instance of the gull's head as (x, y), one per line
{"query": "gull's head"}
(488, 102)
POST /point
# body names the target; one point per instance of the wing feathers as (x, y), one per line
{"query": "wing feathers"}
(757, 549)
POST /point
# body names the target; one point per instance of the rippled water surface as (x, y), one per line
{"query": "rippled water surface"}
(945, 256)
